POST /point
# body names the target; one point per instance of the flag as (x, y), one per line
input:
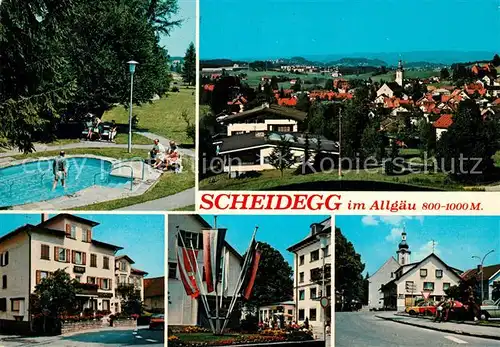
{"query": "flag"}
(252, 273)
(225, 273)
(186, 260)
(213, 243)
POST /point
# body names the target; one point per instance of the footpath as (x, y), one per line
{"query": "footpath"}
(475, 329)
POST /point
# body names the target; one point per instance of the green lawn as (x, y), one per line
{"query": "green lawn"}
(271, 179)
(137, 139)
(168, 184)
(118, 153)
(390, 76)
(162, 117)
(61, 142)
(186, 208)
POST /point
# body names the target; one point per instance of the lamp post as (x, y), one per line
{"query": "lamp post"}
(131, 66)
(323, 239)
(482, 272)
(340, 143)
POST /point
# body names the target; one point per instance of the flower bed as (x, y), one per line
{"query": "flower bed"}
(196, 336)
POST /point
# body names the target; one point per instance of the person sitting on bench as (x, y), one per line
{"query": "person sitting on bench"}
(157, 148)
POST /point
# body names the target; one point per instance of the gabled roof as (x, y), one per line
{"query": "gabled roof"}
(70, 217)
(327, 229)
(106, 245)
(243, 142)
(443, 122)
(488, 272)
(138, 272)
(416, 265)
(390, 260)
(32, 228)
(126, 257)
(280, 111)
(154, 287)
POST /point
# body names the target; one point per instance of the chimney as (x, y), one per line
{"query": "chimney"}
(45, 217)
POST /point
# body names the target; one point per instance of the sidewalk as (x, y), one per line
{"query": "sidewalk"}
(467, 329)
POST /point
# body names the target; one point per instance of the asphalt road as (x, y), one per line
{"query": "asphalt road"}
(105, 338)
(363, 329)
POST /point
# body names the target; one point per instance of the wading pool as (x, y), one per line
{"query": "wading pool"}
(32, 181)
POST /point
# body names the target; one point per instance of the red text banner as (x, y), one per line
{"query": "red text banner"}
(481, 203)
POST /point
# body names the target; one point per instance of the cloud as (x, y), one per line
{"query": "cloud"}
(394, 235)
(424, 250)
(369, 220)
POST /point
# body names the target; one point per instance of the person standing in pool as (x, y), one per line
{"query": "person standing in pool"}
(59, 169)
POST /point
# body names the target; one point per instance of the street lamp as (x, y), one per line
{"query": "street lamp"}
(340, 143)
(482, 272)
(323, 239)
(131, 66)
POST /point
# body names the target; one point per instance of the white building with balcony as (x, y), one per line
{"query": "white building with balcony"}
(312, 258)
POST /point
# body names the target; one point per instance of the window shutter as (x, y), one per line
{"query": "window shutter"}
(38, 277)
(84, 258)
(68, 230)
(6, 258)
(68, 256)
(56, 253)
(73, 256)
(110, 282)
(89, 235)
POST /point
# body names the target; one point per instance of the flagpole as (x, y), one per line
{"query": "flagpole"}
(239, 283)
(203, 296)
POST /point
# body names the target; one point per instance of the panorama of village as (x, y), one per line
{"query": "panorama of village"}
(417, 281)
(350, 124)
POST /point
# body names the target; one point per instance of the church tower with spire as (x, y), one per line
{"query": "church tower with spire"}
(399, 73)
(403, 250)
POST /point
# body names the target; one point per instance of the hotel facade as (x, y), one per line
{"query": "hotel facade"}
(311, 255)
(32, 252)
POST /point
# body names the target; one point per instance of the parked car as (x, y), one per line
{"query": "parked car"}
(416, 309)
(157, 322)
(489, 310)
(428, 308)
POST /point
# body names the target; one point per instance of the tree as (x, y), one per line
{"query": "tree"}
(366, 284)
(189, 68)
(427, 135)
(57, 293)
(67, 63)
(282, 157)
(348, 269)
(303, 103)
(445, 74)
(465, 151)
(297, 87)
(273, 282)
(354, 121)
(372, 142)
(160, 13)
(274, 83)
(496, 60)
(329, 84)
(130, 299)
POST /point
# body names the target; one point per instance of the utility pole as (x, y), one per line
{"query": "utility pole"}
(482, 272)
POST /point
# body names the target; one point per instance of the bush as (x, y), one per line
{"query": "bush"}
(175, 90)
(250, 324)
(135, 121)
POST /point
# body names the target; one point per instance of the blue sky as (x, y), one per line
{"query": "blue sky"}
(141, 236)
(456, 239)
(285, 28)
(181, 37)
(280, 232)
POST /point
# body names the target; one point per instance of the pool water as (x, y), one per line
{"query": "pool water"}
(32, 182)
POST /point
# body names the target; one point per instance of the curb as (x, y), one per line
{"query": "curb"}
(451, 331)
(451, 321)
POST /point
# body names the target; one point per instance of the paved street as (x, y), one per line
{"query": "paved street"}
(108, 338)
(353, 329)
